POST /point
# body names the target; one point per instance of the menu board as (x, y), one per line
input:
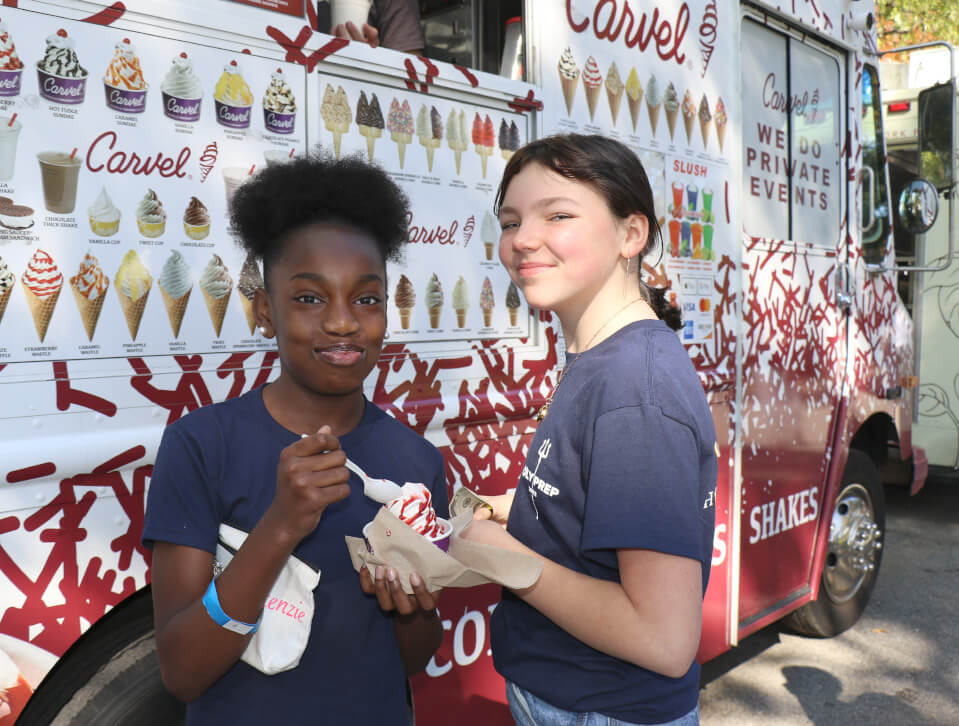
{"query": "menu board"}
(118, 152)
(655, 95)
(448, 156)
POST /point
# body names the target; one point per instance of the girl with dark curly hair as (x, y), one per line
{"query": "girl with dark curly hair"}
(271, 463)
(616, 496)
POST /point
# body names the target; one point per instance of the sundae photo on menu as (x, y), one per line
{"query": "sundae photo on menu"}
(11, 67)
(250, 281)
(460, 301)
(196, 220)
(487, 303)
(233, 98)
(181, 90)
(568, 77)
(175, 287)
(216, 284)
(592, 82)
(59, 173)
(60, 76)
(369, 120)
(132, 282)
(512, 303)
(434, 300)
(151, 217)
(634, 96)
(489, 233)
(484, 138)
(508, 138)
(654, 101)
(279, 105)
(103, 215)
(89, 287)
(614, 91)
(429, 131)
(42, 282)
(457, 137)
(124, 84)
(405, 299)
(671, 104)
(6, 286)
(336, 114)
(400, 125)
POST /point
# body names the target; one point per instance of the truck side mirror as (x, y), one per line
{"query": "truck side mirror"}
(918, 206)
(936, 125)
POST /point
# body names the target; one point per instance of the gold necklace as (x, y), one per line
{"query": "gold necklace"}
(544, 409)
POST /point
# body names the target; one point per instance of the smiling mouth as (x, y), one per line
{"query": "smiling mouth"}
(531, 269)
(344, 355)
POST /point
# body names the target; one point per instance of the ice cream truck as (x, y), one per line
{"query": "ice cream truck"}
(125, 128)
(929, 276)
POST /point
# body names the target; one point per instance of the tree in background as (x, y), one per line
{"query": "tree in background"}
(906, 22)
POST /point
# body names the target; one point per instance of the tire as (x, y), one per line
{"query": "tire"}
(110, 678)
(853, 556)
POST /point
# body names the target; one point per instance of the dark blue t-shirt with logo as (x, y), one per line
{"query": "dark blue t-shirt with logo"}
(626, 458)
(219, 465)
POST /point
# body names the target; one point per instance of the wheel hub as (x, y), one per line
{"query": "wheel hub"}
(855, 541)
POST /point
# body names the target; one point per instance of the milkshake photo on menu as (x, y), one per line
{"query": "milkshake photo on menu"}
(9, 136)
(58, 174)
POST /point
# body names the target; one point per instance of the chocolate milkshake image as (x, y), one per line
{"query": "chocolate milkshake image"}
(58, 173)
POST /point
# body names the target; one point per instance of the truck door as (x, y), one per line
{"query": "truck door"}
(794, 246)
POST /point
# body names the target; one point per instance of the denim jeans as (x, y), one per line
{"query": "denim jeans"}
(528, 710)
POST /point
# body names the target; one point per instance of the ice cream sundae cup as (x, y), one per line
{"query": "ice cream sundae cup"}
(60, 76)
(232, 98)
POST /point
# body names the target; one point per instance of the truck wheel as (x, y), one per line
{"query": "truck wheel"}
(111, 678)
(853, 554)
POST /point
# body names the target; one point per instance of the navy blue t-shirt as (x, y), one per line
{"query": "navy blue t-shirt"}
(219, 465)
(626, 458)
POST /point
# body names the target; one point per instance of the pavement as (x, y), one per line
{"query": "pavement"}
(898, 666)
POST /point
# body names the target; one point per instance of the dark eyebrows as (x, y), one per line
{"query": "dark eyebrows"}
(316, 277)
(540, 203)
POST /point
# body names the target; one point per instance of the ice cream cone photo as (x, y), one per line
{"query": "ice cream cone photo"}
(671, 117)
(568, 78)
(592, 85)
(704, 127)
(247, 305)
(460, 318)
(488, 249)
(512, 317)
(688, 122)
(216, 307)
(435, 317)
(720, 136)
(487, 318)
(4, 299)
(592, 99)
(569, 92)
(405, 318)
(175, 309)
(635, 105)
(41, 309)
(653, 116)
(89, 310)
(133, 310)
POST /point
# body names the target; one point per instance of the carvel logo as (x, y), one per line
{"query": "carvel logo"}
(668, 37)
(707, 34)
(121, 162)
(436, 235)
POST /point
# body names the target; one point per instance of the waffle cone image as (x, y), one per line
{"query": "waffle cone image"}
(247, 306)
(671, 121)
(653, 116)
(635, 104)
(460, 318)
(89, 309)
(175, 308)
(615, 100)
(133, 310)
(512, 316)
(592, 98)
(4, 299)
(487, 318)
(435, 317)
(41, 309)
(216, 306)
(721, 135)
(704, 129)
(488, 249)
(405, 318)
(569, 92)
(689, 121)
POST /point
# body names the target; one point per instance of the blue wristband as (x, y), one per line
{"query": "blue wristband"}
(211, 602)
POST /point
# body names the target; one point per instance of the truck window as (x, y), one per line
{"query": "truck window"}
(791, 140)
(875, 230)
